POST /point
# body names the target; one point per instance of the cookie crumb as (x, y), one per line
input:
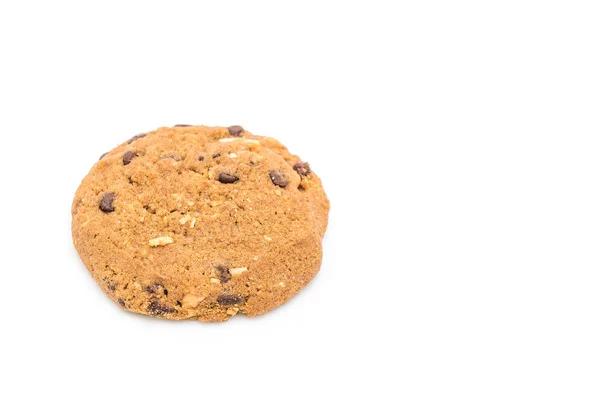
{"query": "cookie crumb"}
(160, 241)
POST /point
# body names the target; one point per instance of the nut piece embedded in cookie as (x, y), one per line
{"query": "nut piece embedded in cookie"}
(191, 301)
(236, 271)
(160, 241)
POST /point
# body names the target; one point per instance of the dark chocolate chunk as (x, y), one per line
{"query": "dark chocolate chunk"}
(128, 157)
(278, 178)
(228, 300)
(224, 275)
(201, 158)
(102, 157)
(106, 203)
(182, 125)
(154, 288)
(136, 137)
(227, 178)
(302, 168)
(156, 308)
(121, 302)
(235, 131)
(216, 155)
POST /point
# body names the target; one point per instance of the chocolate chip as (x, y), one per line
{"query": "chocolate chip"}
(154, 288)
(128, 157)
(216, 155)
(111, 287)
(235, 131)
(278, 178)
(121, 302)
(228, 300)
(182, 125)
(224, 275)
(102, 157)
(156, 308)
(106, 203)
(302, 168)
(136, 137)
(200, 158)
(227, 178)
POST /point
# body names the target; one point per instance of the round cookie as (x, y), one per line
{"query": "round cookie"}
(197, 222)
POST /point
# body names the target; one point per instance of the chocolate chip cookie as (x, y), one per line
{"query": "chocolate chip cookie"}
(196, 222)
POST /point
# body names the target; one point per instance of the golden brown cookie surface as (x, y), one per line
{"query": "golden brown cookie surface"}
(200, 223)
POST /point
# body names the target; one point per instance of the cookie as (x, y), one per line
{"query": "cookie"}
(196, 222)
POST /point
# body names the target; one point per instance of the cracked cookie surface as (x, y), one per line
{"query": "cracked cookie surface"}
(196, 222)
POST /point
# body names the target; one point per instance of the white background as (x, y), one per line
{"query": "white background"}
(458, 143)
